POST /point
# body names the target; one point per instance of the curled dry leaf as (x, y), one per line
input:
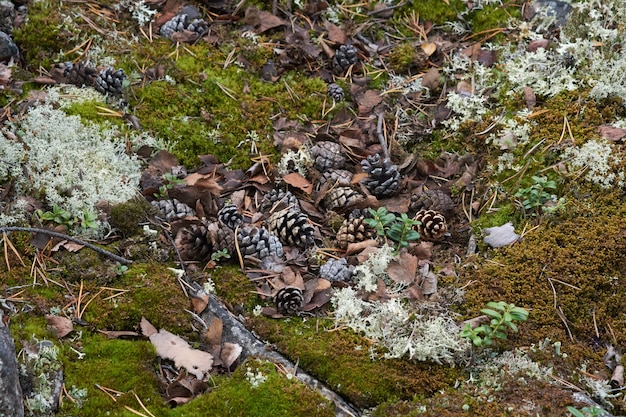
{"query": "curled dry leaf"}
(296, 180)
(199, 301)
(169, 346)
(230, 353)
(428, 280)
(611, 133)
(62, 325)
(500, 236)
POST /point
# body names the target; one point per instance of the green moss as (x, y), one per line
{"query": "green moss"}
(152, 291)
(407, 57)
(277, 396)
(342, 359)
(437, 11)
(41, 37)
(235, 288)
(493, 16)
(127, 216)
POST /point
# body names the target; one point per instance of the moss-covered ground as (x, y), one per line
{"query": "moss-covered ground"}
(567, 270)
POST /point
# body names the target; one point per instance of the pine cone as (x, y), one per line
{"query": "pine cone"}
(229, 216)
(341, 198)
(182, 22)
(173, 209)
(336, 270)
(292, 227)
(430, 199)
(221, 237)
(383, 179)
(81, 74)
(258, 243)
(341, 177)
(193, 243)
(335, 92)
(110, 81)
(327, 155)
(345, 57)
(289, 300)
(433, 224)
(276, 197)
(354, 230)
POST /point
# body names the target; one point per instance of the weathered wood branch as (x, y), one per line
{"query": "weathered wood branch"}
(236, 332)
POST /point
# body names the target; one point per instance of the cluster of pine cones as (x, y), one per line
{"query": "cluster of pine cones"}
(108, 81)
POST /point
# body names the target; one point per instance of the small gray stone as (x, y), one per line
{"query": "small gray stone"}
(11, 403)
(8, 48)
(7, 14)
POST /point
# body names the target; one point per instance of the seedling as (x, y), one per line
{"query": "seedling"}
(400, 229)
(170, 181)
(57, 215)
(502, 316)
(587, 411)
(535, 197)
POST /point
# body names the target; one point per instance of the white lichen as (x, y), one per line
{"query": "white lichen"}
(600, 161)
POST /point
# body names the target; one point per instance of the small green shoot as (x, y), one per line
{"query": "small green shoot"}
(503, 316)
(57, 215)
(537, 198)
(586, 411)
(400, 229)
(219, 255)
(120, 269)
(170, 181)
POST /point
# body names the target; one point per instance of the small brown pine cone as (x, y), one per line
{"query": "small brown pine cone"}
(431, 199)
(341, 198)
(292, 228)
(221, 237)
(433, 224)
(327, 155)
(80, 74)
(289, 300)
(354, 230)
(229, 216)
(193, 243)
(173, 209)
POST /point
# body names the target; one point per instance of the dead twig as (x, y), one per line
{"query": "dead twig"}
(81, 242)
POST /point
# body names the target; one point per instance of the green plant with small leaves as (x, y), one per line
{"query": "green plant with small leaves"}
(219, 255)
(170, 181)
(57, 215)
(537, 198)
(120, 269)
(400, 229)
(587, 411)
(503, 316)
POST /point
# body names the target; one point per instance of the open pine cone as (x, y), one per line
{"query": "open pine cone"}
(433, 224)
(289, 300)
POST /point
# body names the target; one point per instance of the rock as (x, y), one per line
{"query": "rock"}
(11, 403)
(8, 48)
(559, 9)
(7, 14)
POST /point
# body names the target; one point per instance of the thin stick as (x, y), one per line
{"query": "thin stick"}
(51, 233)
(143, 406)
(381, 135)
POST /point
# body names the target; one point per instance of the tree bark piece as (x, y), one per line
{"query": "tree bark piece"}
(235, 332)
(11, 402)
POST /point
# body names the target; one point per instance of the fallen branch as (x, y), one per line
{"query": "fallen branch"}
(235, 332)
(51, 233)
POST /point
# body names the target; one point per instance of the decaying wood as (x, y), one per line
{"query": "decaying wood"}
(11, 403)
(235, 332)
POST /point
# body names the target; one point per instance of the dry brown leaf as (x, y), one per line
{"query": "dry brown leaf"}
(199, 301)
(230, 353)
(429, 48)
(203, 181)
(261, 20)
(119, 334)
(213, 333)
(335, 33)
(402, 268)
(431, 79)
(147, 328)
(62, 325)
(367, 101)
(423, 250)
(360, 246)
(296, 180)
(428, 280)
(319, 299)
(611, 133)
(170, 346)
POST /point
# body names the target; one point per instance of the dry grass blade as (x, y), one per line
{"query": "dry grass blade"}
(230, 58)
(132, 410)
(80, 315)
(143, 406)
(239, 256)
(109, 392)
(9, 245)
(104, 111)
(230, 93)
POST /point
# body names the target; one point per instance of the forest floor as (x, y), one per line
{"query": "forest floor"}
(433, 191)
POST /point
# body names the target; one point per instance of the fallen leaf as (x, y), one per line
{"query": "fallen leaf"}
(230, 353)
(428, 280)
(147, 328)
(261, 20)
(402, 269)
(500, 236)
(62, 325)
(296, 180)
(335, 33)
(611, 133)
(367, 101)
(119, 334)
(213, 333)
(200, 301)
(429, 48)
(170, 346)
